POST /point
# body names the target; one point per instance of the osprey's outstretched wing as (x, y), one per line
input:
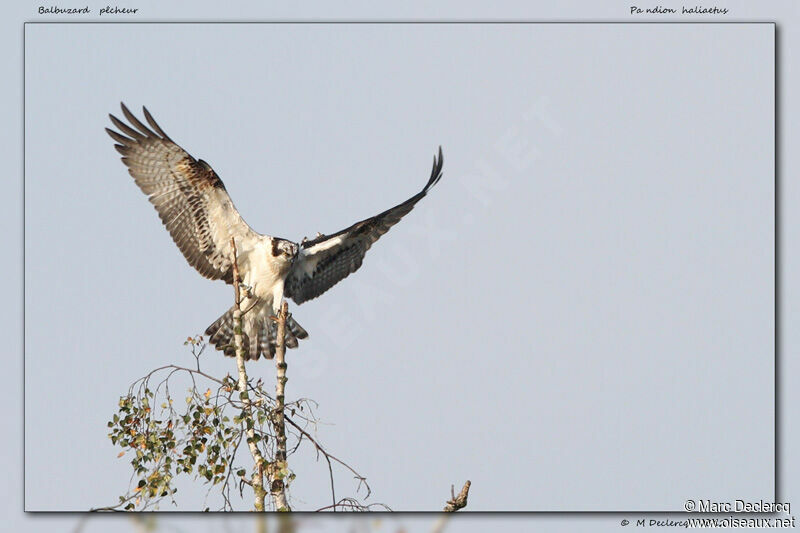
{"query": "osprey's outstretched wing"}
(188, 195)
(328, 259)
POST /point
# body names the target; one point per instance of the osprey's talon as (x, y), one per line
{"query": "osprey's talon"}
(248, 290)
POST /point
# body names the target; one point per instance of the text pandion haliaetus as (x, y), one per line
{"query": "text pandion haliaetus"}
(195, 207)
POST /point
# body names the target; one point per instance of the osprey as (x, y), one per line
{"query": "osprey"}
(193, 204)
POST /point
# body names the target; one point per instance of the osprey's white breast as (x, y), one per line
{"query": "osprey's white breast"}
(263, 272)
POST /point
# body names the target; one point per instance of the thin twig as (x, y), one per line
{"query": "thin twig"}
(361, 479)
(353, 505)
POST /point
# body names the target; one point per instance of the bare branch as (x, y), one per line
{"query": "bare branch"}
(457, 502)
(258, 474)
(279, 469)
(453, 504)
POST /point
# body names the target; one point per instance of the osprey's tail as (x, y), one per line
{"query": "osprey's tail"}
(258, 334)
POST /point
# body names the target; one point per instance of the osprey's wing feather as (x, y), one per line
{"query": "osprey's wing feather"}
(189, 196)
(328, 259)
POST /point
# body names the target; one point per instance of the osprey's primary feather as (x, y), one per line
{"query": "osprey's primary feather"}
(194, 206)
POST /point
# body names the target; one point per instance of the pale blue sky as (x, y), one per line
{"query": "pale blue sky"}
(570, 399)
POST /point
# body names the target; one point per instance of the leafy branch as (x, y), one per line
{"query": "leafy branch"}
(200, 435)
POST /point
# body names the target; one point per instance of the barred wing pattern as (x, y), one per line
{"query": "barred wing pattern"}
(325, 261)
(188, 195)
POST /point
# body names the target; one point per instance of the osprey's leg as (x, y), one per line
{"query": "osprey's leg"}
(276, 311)
(275, 318)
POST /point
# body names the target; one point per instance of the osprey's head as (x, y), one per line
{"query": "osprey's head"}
(284, 250)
